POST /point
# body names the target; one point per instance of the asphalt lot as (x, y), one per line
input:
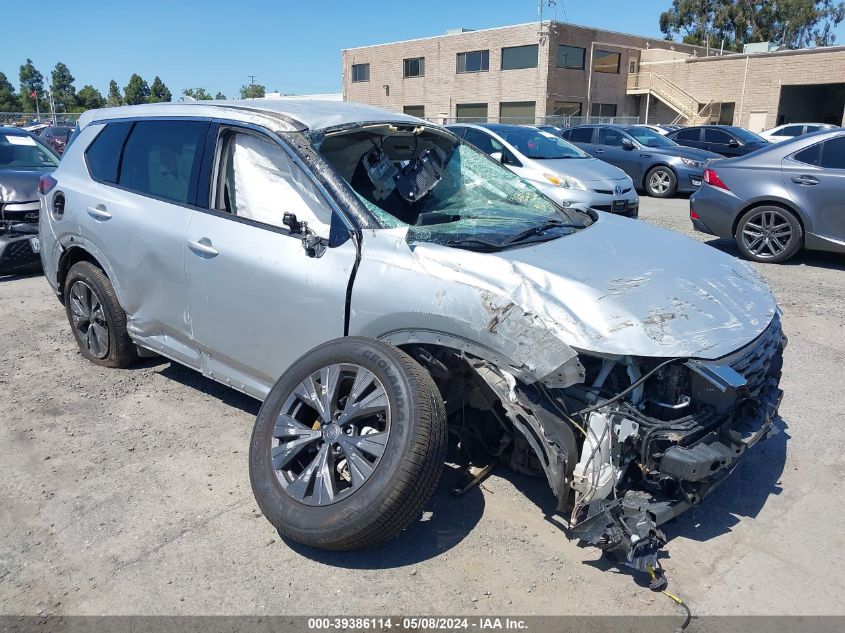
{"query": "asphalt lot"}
(127, 492)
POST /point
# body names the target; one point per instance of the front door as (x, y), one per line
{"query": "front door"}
(609, 148)
(257, 300)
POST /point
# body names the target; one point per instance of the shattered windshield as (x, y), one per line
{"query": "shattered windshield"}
(445, 192)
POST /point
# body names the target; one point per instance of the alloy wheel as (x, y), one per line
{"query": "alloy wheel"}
(767, 234)
(659, 182)
(89, 319)
(331, 433)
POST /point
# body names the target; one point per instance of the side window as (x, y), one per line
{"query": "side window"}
(161, 158)
(581, 135)
(688, 135)
(259, 181)
(809, 155)
(103, 155)
(482, 141)
(791, 130)
(609, 136)
(811, 128)
(716, 136)
(833, 153)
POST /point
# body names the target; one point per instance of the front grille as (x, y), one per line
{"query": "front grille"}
(610, 192)
(759, 359)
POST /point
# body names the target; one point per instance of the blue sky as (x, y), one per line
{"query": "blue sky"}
(288, 46)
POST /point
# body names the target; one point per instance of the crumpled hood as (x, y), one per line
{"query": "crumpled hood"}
(622, 287)
(584, 169)
(20, 185)
(683, 152)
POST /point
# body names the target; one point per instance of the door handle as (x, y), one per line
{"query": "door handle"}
(203, 247)
(99, 213)
(599, 151)
(805, 180)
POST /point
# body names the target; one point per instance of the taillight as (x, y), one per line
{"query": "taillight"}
(692, 214)
(712, 179)
(46, 184)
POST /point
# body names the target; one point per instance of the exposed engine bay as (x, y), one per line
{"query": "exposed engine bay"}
(636, 443)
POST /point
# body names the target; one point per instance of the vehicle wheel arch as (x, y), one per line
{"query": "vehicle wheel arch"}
(71, 255)
(770, 203)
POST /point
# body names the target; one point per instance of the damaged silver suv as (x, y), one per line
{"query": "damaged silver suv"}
(389, 292)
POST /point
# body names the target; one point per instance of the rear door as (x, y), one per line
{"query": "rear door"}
(582, 137)
(257, 300)
(135, 212)
(815, 178)
(688, 137)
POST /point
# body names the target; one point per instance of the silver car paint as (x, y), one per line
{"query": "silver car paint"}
(619, 287)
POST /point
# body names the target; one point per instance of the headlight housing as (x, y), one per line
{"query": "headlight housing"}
(695, 164)
(565, 182)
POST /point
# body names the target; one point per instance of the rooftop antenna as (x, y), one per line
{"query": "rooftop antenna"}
(544, 33)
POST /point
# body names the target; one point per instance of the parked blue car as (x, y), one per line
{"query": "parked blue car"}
(655, 163)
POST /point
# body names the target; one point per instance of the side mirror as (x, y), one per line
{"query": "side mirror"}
(499, 157)
(733, 143)
(628, 144)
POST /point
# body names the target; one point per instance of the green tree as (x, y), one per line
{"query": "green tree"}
(220, 95)
(8, 99)
(61, 85)
(31, 80)
(89, 98)
(200, 94)
(787, 23)
(159, 93)
(136, 91)
(114, 99)
(252, 91)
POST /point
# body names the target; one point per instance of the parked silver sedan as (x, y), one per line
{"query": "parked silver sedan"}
(785, 197)
(385, 287)
(566, 173)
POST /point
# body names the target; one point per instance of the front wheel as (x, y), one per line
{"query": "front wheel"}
(661, 182)
(769, 234)
(348, 446)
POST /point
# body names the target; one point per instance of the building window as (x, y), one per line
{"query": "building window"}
(517, 112)
(571, 57)
(632, 67)
(567, 108)
(414, 67)
(606, 62)
(415, 110)
(603, 109)
(726, 113)
(360, 72)
(474, 62)
(471, 112)
(516, 57)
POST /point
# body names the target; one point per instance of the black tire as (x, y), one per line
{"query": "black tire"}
(773, 222)
(404, 477)
(119, 349)
(661, 182)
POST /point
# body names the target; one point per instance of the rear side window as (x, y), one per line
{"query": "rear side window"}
(809, 155)
(833, 153)
(103, 155)
(581, 135)
(161, 158)
(792, 130)
(688, 135)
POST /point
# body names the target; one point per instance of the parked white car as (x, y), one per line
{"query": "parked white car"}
(791, 130)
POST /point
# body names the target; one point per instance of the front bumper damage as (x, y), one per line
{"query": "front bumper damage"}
(19, 248)
(647, 457)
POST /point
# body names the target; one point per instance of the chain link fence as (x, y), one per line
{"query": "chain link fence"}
(556, 120)
(27, 119)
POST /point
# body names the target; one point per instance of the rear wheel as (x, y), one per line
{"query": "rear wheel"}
(96, 318)
(348, 446)
(661, 182)
(769, 234)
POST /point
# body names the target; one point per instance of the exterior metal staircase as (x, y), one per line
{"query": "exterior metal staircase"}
(689, 109)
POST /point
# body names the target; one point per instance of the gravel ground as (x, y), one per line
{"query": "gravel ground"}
(127, 492)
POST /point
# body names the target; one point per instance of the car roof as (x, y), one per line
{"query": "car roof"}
(14, 130)
(282, 114)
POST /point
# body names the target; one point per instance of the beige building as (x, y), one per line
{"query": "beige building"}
(552, 71)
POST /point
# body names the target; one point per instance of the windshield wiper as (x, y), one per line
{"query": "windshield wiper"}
(538, 229)
(479, 244)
